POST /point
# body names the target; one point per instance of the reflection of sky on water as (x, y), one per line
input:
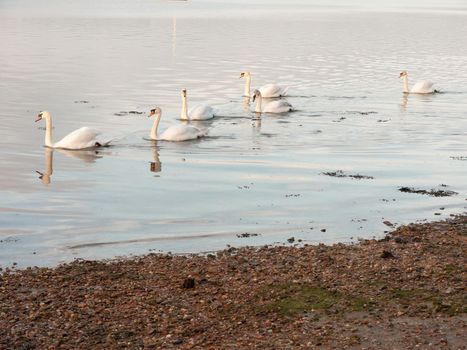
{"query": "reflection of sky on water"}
(220, 8)
(249, 175)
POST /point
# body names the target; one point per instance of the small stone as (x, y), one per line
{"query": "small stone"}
(400, 240)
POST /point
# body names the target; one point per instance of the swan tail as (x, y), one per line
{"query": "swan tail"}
(285, 91)
(103, 144)
(201, 133)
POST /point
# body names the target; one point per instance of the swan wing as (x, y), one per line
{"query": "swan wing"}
(181, 132)
(202, 112)
(80, 139)
(279, 106)
(271, 90)
(423, 87)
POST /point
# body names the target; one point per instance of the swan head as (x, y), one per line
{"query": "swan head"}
(256, 94)
(183, 92)
(403, 74)
(155, 111)
(42, 115)
(244, 74)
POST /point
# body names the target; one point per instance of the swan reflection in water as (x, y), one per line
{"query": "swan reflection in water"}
(45, 176)
(246, 104)
(155, 166)
(416, 101)
(256, 123)
(87, 156)
(403, 105)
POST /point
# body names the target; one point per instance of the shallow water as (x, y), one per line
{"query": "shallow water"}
(90, 63)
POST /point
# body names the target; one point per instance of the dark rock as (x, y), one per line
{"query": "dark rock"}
(188, 283)
(386, 254)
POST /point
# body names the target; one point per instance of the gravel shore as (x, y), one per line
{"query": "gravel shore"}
(403, 292)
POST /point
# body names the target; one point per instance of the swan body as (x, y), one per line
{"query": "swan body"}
(180, 132)
(272, 90)
(276, 106)
(201, 112)
(421, 87)
(79, 139)
(82, 138)
(267, 91)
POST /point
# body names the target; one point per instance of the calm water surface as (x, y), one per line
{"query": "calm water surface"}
(90, 63)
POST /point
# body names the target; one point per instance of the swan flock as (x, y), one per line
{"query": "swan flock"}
(87, 138)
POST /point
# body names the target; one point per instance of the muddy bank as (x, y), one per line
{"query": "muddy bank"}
(403, 292)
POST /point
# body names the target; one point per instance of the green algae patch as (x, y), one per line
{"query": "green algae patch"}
(291, 299)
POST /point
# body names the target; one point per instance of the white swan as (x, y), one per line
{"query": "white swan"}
(275, 106)
(201, 112)
(421, 87)
(79, 139)
(180, 132)
(267, 91)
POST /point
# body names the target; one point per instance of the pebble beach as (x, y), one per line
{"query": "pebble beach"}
(404, 291)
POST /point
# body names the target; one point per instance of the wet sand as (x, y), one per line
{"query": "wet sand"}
(405, 291)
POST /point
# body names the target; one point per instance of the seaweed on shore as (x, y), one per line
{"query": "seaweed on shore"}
(247, 234)
(431, 192)
(340, 173)
(122, 113)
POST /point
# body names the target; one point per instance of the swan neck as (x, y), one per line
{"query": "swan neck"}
(405, 81)
(48, 132)
(153, 134)
(184, 113)
(247, 86)
(258, 104)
